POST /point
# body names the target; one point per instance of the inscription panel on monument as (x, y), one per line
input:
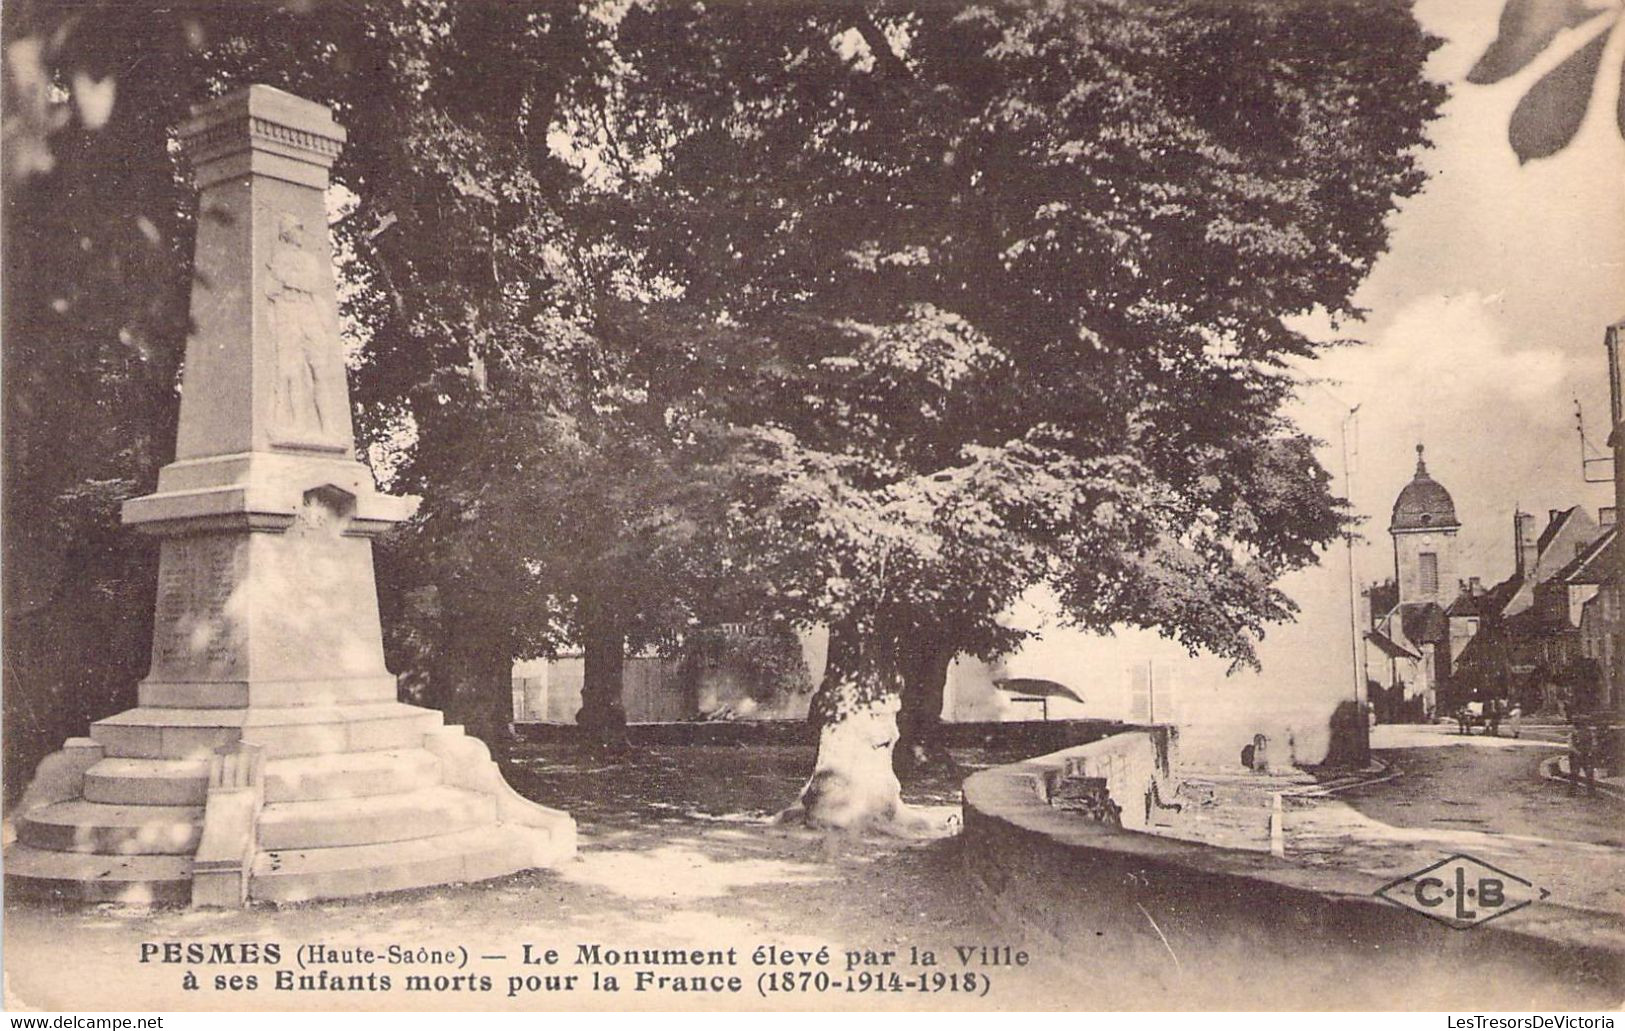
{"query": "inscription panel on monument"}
(194, 629)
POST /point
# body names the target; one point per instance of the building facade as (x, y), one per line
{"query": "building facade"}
(1409, 660)
(1603, 617)
(1531, 646)
(1538, 639)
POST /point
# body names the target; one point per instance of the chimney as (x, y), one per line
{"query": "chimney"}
(1607, 516)
(1523, 543)
(1474, 586)
(1552, 514)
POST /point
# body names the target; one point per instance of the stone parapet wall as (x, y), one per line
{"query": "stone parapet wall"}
(1131, 762)
(1208, 927)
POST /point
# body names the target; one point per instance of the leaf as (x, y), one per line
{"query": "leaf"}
(1527, 27)
(1549, 115)
(31, 115)
(1619, 111)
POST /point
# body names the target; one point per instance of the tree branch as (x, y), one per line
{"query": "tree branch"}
(887, 62)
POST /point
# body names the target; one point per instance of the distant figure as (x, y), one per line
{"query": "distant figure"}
(1515, 720)
(1492, 717)
(1582, 757)
(1261, 754)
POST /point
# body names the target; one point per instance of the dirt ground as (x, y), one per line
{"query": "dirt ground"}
(677, 850)
(1478, 795)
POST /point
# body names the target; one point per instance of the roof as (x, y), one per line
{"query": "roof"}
(1388, 646)
(1535, 622)
(1553, 528)
(1424, 504)
(1467, 604)
(1592, 564)
(1476, 650)
(1495, 600)
(1423, 622)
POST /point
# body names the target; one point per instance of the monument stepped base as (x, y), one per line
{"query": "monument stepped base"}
(295, 875)
(86, 877)
(343, 801)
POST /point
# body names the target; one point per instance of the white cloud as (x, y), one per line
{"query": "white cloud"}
(1442, 354)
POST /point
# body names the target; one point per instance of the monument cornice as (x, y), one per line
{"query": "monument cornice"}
(256, 508)
(261, 131)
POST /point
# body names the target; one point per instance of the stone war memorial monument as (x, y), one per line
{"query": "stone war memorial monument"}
(268, 758)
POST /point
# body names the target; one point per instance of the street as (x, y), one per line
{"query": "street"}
(1484, 783)
(1475, 794)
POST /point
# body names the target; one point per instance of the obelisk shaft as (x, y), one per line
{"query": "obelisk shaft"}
(264, 371)
(266, 590)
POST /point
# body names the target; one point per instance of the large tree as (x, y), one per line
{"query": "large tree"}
(97, 266)
(1018, 274)
(508, 369)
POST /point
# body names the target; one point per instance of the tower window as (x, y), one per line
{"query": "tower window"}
(1429, 563)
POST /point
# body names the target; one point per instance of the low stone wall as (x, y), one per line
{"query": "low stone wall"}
(1132, 762)
(1016, 736)
(1161, 923)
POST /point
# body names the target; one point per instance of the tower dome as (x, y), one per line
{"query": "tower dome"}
(1424, 504)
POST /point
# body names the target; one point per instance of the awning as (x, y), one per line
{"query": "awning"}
(1034, 687)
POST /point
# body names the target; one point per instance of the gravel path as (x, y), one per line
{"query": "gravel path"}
(1482, 783)
(1478, 795)
(677, 851)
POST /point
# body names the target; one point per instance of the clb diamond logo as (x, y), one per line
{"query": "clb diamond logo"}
(1462, 892)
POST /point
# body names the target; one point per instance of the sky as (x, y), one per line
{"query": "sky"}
(1484, 323)
(1486, 317)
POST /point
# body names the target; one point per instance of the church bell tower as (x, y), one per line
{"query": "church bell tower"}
(1424, 528)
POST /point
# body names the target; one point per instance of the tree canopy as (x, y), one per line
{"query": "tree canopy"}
(1016, 277)
(1030, 240)
(875, 315)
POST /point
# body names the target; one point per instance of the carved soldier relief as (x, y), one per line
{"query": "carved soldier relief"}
(301, 327)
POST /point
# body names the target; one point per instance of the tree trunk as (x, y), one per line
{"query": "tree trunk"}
(471, 680)
(603, 714)
(853, 787)
(925, 663)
